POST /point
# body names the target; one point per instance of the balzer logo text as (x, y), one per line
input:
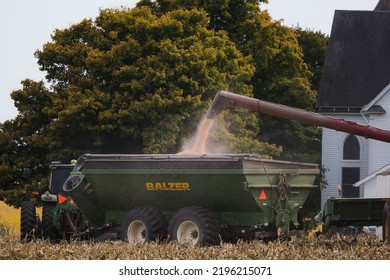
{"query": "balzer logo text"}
(167, 186)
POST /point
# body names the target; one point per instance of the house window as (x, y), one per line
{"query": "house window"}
(350, 175)
(351, 149)
(350, 172)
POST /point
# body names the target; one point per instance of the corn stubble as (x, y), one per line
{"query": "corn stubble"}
(361, 247)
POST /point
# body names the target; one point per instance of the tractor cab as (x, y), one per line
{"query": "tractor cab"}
(59, 173)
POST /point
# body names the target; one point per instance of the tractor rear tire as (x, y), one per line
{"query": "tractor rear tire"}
(29, 222)
(195, 226)
(386, 222)
(144, 224)
(49, 231)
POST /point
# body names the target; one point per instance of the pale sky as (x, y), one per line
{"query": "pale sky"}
(26, 25)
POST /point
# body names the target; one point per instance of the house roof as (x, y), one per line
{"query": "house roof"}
(384, 171)
(357, 64)
(373, 104)
(383, 5)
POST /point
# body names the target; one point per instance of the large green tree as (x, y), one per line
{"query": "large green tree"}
(282, 75)
(129, 81)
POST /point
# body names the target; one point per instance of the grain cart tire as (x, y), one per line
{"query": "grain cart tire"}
(29, 222)
(49, 231)
(386, 222)
(143, 224)
(194, 225)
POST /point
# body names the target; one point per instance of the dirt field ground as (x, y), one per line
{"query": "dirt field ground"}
(304, 248)
(339, 247)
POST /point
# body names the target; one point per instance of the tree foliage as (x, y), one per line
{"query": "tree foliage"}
(282, 74)
(294, 82)
(23, 143)
(314, 45)
(225, 15)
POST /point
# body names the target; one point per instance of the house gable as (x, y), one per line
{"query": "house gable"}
(376, 102)
(357, 61)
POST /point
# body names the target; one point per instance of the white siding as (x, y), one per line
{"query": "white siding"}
(379, 156)
(380, 151)
(365, 158)
(383, 186)
(379, 186)
(332, 156)
(331, 162)
(369, 188)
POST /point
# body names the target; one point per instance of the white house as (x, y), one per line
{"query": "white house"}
(355, 86)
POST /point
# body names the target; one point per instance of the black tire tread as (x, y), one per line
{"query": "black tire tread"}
(49, 231)
(28, 221)
(153, 219)
(203, 218)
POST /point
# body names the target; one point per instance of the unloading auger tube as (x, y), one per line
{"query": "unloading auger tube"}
(227, 100)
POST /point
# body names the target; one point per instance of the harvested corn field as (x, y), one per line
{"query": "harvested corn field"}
(361, 247)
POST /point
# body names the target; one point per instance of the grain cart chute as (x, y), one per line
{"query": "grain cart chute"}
(338, 212)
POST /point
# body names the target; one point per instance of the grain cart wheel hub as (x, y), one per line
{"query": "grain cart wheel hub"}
(188, 231)
(143, 224)
(136, 232)
(194, 225)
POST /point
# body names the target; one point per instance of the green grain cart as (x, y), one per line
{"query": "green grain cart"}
(199, 199)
